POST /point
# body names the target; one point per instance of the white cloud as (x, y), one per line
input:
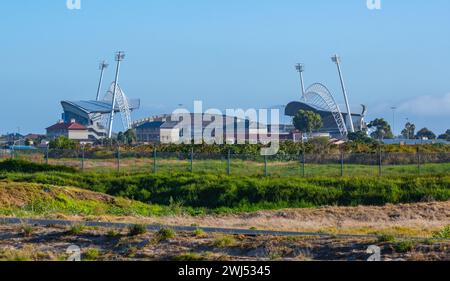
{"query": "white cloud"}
(427, 105)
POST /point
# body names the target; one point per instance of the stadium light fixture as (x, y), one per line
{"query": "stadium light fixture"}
(393, 108)
(301, 68)
(102, 67)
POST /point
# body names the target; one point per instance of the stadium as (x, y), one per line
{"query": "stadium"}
(96, 117)
(335, 123)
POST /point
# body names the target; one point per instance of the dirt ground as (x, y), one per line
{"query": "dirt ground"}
(418, 220)
(52, 243)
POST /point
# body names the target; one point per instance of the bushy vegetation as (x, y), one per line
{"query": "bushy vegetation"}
(404, 246)
(76, 229)
(42, 199)
(62, 142)
(137, 229)
(443, 234)
(224, 241)
(226, 193)
(358, 143)
(91, 254)
(164, 234)
(26, 230)
(18, 165)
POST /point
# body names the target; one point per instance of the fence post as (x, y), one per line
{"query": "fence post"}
(82, 158)
(342, 162)
(380, 160)
(303, 161)
(118, 158)
(154, 160)
(192, 160)
(418, 160)
(266, 173)
(229, 162)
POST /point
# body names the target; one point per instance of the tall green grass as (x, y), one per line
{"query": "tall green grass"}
(200, 191)
(20, 165)
(250, 193)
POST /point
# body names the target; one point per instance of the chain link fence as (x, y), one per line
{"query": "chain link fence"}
(302, 164)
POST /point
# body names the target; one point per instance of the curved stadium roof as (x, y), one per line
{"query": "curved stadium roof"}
(102, 107)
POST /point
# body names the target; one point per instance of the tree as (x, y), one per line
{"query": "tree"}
(409, 131)
(445, 136)
(360, 137)
(425, 134)
(120, 137)
(307, 121)
(130, 136)
(382, 129)
(62, 142)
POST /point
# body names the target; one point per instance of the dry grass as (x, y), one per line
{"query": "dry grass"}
(417, 220)
(97, 244)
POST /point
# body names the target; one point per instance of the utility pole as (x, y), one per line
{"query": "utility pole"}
(301, 68)
(336, 59)
(103, 66)
(120, 56)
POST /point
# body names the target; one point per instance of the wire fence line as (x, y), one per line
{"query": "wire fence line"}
(302, 164)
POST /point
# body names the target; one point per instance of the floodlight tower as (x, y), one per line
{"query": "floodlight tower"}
(103, 66)
(393, 108)
(301, 68)
(336, 59)
(120, 56)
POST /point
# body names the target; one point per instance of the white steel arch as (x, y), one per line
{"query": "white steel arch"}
(320, 97)
(123, 104)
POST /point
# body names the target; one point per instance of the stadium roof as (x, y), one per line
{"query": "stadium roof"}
(99, 106)
(153, 124)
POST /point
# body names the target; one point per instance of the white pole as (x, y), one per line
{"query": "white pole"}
(337, 60)
(119, 57)
(103, 65)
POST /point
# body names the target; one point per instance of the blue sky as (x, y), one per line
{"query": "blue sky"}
(228, 53)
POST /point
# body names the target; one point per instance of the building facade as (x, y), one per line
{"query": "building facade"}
(71, 130)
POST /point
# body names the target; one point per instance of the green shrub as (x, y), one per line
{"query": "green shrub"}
(199, 232)
(165, 234)
(404, 246)
(386, 238)
(188, 257)
(91, 254)
(442, 234)
(76, 229)
(137, 229)
(113, 233)
(27, 230)
(224, 241)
